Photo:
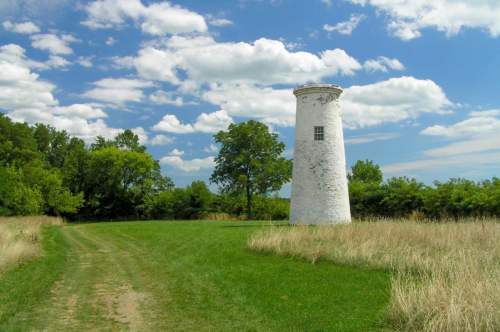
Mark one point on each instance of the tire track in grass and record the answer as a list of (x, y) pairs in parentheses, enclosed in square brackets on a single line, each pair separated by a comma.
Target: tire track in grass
[(100, 291)]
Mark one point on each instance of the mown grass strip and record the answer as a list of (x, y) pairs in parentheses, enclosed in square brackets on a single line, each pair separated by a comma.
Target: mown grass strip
[(27, 285)]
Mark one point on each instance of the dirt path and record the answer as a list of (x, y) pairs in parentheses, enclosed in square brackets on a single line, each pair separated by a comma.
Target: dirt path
[(102, 286)]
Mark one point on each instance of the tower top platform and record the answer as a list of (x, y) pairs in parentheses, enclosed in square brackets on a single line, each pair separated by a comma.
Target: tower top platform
[(317, 87)]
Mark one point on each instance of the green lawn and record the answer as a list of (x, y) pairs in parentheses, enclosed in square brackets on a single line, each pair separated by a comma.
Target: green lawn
[(183, 276)]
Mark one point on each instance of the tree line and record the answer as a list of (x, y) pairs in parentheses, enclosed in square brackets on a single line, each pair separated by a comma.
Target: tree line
[(45, 171), (403, 197)]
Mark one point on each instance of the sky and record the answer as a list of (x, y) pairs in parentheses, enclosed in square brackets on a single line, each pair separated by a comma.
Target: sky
[(420, 78)]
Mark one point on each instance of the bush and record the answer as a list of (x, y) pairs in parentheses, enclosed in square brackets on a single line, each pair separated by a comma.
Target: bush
[(275, 208), (16, 198)]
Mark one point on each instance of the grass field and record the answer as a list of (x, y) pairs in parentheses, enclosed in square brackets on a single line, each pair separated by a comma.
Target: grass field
[(446, 277), (183, 276)]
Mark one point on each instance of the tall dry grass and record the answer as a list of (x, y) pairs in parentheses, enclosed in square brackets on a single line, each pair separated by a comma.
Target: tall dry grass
[(446, 276), (20, 238)]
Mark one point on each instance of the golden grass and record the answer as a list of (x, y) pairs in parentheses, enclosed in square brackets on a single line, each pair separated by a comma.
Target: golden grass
[(446, 276), (20, 238)]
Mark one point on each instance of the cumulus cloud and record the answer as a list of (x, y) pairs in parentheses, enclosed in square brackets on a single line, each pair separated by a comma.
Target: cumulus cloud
[(27, 98), (383, 64), (85, 61), (273, 106), (155, 19), (118, 90), (389, 101), (161, 140), (346, 27), (393, 100), (84, 111), (20, 88), (205, 123), (166, 98), (54, 44), (408, 17), (170, 124), (153, 64), (479, 123), (176, 152), (15, 54), (26, 28), (188, 166), (265, 61)]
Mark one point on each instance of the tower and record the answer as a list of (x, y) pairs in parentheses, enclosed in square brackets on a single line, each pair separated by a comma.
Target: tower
[(319, 186)]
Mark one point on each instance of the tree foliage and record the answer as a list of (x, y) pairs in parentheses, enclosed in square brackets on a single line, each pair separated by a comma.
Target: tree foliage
[(250, 161), (366, 172), (404, 197)]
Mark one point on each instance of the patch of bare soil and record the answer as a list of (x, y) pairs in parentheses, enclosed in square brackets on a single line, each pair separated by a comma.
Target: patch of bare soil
[(123, 305)]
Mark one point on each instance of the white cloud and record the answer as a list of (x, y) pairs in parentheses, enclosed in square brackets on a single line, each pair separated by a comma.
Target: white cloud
[(56, 61), (328, 3), (156, 19), (27, 98), (369, 138), (188, 166), (212, 122), (110, 41), (161, 140), (408, 17), (85, 61), (19, 87), (171, 124), (383, 64), (153, 64), (478, 124), (15, 54), (346, 27), (393, 100), (273, 106), (264, 61), (205, 123), (118, 90), (23, 28), (478, 133), (54, 44), (76, 126), (390, 101), (176, 152), (166, 98), (218, 22), (477, 144), (464, 161), (475, 141), (84, 111)]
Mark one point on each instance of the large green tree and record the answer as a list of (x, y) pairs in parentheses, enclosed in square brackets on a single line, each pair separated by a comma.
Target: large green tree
[(250, 161)]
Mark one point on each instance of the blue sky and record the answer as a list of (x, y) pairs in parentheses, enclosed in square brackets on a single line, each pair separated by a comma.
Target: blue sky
[(420, 78)]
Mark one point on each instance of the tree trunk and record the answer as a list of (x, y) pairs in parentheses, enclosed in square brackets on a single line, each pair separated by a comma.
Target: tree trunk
[(249, 203)]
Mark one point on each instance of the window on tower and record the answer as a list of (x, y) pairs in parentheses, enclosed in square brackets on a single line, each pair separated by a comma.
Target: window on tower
[(319, 133)]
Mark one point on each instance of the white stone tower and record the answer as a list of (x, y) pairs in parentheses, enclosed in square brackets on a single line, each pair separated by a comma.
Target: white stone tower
[(319, 187)]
